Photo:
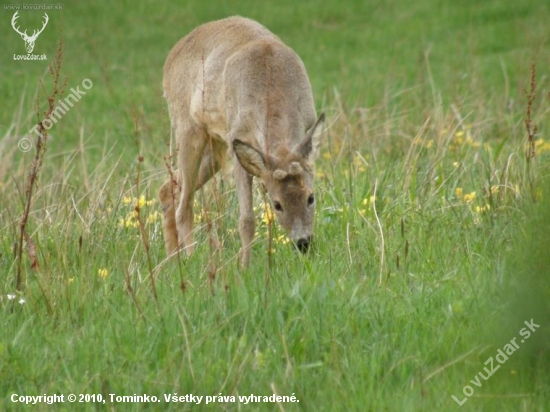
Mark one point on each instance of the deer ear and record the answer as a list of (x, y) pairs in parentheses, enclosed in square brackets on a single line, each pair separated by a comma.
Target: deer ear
[(308, 148), (250, 159)]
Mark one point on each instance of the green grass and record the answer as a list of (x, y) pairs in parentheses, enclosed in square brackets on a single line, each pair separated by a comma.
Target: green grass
[(414, 281)]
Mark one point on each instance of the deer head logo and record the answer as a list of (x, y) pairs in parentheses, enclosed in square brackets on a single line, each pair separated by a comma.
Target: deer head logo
[(29, 40)]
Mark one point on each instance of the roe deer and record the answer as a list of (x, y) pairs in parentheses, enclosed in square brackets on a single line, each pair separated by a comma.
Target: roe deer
[(233, 87)]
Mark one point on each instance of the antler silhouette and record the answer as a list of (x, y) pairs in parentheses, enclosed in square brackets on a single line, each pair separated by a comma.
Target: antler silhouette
[(29, 40), (15, 17), (46, 20)]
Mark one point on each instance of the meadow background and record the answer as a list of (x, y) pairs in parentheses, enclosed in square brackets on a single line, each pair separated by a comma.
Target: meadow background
[(431, 235)]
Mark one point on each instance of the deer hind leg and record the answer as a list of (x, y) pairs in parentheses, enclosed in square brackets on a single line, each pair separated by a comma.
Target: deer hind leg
[(246, 220), (192, 143), (169, 194)]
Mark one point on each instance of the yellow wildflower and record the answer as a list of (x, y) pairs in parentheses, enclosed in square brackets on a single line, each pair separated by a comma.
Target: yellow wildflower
[(282, 239), (369, 201), (458, 192), (142, 202), (103, 273), (153, 217), (259, 360), (129, 222), (481, 209), (267, 216), (360, 163), (469, 197), (472, 142), (542, 146), (459, 137)]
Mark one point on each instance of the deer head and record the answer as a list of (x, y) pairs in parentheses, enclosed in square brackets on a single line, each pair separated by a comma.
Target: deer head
[(288, 177), (29, 40)]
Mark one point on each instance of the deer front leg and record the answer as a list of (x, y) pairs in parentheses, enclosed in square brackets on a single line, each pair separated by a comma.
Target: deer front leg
[(246, 220)]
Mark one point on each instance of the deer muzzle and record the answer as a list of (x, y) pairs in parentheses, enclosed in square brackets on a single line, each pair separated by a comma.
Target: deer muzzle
[(303, 244)]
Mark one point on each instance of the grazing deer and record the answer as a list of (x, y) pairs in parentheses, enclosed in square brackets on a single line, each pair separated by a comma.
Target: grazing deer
[(235, 88), (29, 40)]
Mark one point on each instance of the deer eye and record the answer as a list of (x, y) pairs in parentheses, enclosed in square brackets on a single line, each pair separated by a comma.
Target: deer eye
[(277, 206), (310, 199)]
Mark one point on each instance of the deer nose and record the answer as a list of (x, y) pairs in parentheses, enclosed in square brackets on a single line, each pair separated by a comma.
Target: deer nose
[(303, 244)]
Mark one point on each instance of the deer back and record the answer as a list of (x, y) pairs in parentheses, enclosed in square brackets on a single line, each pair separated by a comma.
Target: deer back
[(239, 80)]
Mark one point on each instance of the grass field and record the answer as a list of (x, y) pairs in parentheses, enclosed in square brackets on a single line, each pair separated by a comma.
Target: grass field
[(431, 238)]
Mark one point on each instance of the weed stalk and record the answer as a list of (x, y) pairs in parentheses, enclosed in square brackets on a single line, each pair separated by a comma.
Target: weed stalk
[(173, 186), (143, 231), (36, 164), (531, 126)]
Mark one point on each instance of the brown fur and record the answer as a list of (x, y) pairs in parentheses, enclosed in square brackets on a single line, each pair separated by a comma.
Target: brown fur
[(233, 87)]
